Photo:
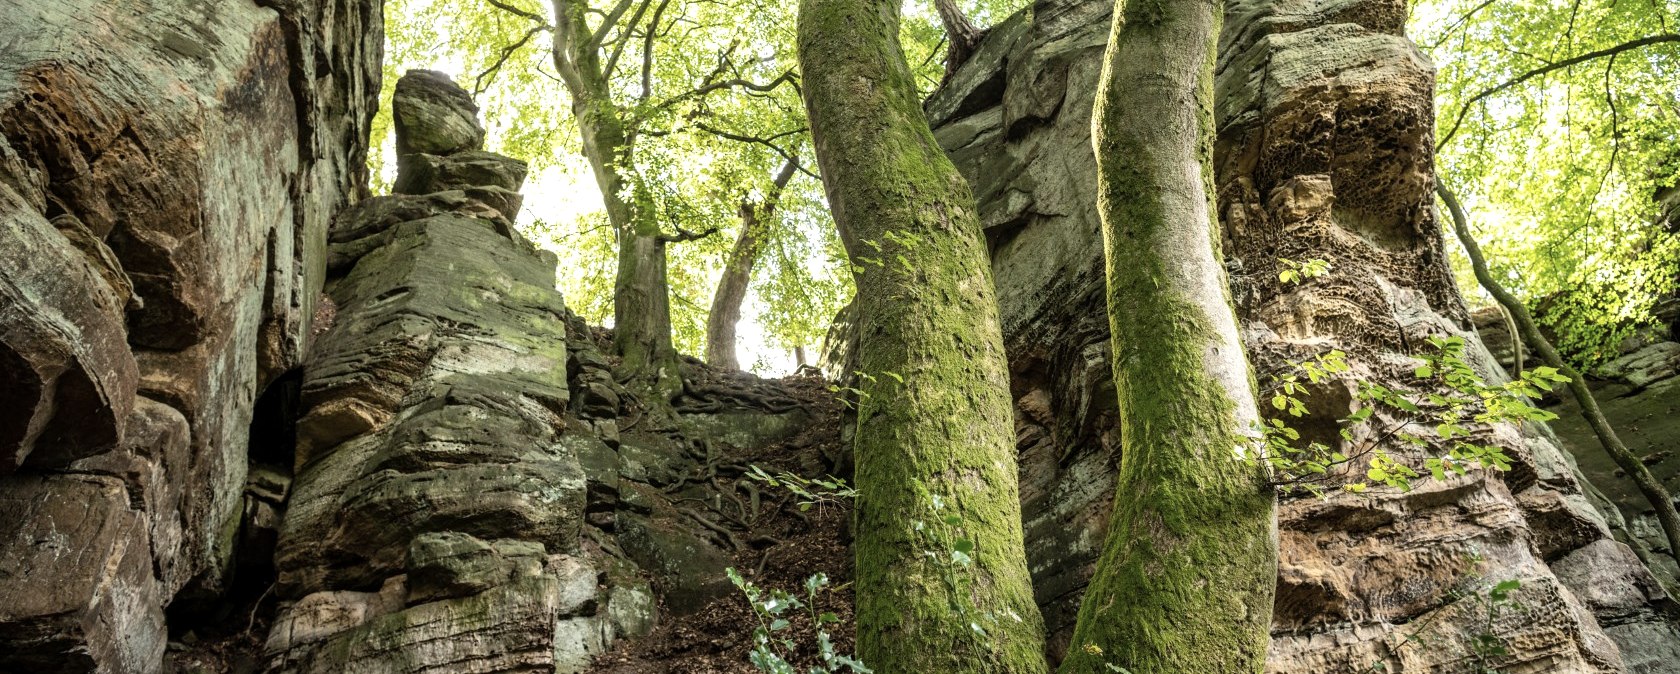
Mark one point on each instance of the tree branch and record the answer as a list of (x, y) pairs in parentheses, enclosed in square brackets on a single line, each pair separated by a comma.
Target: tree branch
[(647, 51), (1464, 111), (683, 235), (788, 76), (607, 22), (498, 4), (478, 82), (1653, 490), (618, 49), (767, 142), (1447, 32)]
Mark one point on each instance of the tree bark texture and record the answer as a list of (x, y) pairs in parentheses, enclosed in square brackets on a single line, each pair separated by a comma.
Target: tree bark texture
[(756, 219), (934, 437), (1185, 580), (641, 298)]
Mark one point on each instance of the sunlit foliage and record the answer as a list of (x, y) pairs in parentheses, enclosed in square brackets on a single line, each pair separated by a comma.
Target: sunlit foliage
[(1560, 169)]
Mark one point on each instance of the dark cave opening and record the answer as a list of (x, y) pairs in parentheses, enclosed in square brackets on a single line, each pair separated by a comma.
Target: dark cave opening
[(241, 606)]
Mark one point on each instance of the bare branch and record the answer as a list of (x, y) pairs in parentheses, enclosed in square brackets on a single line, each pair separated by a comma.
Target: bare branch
[(788, 77), (1447, 32), (769, 142), (684, 235)]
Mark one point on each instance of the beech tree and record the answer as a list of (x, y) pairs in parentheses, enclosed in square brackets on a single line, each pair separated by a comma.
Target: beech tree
[(1558, 122), (941, 574), (756, 220), (1187, 574)]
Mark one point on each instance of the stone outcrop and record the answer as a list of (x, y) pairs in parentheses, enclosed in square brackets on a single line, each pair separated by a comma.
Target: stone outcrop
[(167, 173), (1639, 392), (1324, 152), (474, 491)]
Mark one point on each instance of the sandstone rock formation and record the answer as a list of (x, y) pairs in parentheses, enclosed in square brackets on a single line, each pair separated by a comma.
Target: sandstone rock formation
[(166, 178), (372, 426), (1325, 131), (466, 497), (1638, 394)]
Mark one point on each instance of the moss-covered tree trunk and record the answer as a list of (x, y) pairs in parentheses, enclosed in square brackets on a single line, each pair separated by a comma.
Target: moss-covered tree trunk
[(935, 434), (731, 292), (1186, 578), (641, 298)]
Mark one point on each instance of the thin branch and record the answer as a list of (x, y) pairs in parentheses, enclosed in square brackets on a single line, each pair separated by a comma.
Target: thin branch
[(1648, 485), (498, 4), (767, 142), (1447, 32), (683, 235), (478, 82), (1464, 110), (647, 51), (788, 76), (618, 49), (1615, 131), (607, 23)]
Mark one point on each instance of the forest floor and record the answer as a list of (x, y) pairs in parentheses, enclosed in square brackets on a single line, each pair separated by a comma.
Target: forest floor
[(718, 638)]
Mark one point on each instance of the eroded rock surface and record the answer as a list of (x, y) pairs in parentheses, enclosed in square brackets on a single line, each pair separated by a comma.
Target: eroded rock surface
[(167, 172), (1324, 152), (475, 492)]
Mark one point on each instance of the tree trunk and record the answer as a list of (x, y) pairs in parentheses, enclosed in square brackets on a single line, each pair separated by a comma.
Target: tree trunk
[(737, 272), (641, 299), (1642, 478), (961, 35), (935, 434), (1185, 581)]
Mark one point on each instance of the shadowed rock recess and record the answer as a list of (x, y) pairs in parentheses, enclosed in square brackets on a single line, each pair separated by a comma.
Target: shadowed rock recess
[(167, 175), (1324, 152), (254, 420)]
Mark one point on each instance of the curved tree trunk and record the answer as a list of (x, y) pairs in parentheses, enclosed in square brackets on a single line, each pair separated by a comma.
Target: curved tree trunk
[(935, 435), (737, 272), (641, 299), (1653, 489), (1186, 578)]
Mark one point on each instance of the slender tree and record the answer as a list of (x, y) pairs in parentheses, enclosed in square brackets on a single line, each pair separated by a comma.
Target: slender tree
[(607, 58), (942, 581), (1186, 577), (756, 219), (1529, 331)]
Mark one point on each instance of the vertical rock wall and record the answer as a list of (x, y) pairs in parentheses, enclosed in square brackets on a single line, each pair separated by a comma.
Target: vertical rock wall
[(167, 173), (1325, 152), (1325, 132)]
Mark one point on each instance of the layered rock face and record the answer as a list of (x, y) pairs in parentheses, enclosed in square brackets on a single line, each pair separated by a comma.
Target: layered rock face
[(436, 510), (474, 491), (1324, 152), (1639, 392), (167, 173)]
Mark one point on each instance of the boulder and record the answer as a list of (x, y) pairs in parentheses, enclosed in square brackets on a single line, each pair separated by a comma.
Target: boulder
[(434, 116)]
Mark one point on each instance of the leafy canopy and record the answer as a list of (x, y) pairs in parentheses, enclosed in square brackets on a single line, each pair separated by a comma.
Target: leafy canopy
[(1557, 123)]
